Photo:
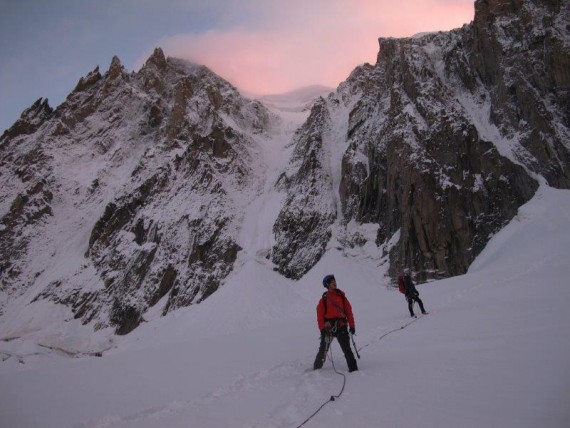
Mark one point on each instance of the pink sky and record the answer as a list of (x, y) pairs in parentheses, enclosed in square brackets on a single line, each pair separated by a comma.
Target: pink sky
[(287, 45)]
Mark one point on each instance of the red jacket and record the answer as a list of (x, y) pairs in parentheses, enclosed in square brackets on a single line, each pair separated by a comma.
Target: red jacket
[(337, 307)]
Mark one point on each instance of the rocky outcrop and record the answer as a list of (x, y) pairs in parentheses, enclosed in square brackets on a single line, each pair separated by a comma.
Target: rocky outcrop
[(303, 227), (520, 51), (29, 209), (427, 171), (30, 120), (445, 134), (469, 114), (150, 162)]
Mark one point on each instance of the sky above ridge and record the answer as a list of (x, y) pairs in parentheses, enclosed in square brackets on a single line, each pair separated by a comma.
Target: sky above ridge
[(260, 46)]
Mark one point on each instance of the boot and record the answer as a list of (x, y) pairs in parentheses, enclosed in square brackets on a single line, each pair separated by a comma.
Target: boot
[(319, 361)]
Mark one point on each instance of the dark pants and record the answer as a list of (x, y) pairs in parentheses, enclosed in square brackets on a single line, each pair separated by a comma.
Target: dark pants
[(343, 340), (415, 298)]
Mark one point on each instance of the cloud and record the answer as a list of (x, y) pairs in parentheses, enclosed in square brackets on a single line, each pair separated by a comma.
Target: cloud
[(281, 48)]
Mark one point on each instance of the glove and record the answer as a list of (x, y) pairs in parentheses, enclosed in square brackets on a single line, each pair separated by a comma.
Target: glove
[(352, 330)]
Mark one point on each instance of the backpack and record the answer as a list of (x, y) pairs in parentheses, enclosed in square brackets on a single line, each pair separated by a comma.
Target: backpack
[(401, 285), (343, 302)]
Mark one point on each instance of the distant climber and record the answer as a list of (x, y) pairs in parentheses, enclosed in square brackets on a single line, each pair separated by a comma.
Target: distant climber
[(408, 288)]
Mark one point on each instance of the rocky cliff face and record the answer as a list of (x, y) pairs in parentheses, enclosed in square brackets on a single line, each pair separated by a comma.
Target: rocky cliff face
[(520, 53), (446, 135), (132, 193), (140, 179), (303, 227)]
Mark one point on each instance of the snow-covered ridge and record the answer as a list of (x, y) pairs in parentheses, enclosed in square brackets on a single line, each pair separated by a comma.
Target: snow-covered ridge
[(297, 100)]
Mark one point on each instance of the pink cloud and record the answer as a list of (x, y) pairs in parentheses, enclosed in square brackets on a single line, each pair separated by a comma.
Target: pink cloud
[(312, 42)]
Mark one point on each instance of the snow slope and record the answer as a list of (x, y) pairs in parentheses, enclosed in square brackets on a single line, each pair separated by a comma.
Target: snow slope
[(494, 350)]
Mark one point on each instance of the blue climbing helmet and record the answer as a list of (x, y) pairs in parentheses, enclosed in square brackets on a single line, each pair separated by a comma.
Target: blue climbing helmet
[(326, 280)]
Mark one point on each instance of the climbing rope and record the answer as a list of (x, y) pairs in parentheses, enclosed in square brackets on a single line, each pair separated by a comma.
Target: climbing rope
[(333, 397), (329, 353), (390, 332)]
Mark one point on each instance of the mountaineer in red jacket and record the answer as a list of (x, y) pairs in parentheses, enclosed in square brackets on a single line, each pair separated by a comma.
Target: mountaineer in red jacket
[(334, 316)]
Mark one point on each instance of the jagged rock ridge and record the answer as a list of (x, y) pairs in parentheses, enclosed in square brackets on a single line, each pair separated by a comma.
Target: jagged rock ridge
[(165, 160)]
